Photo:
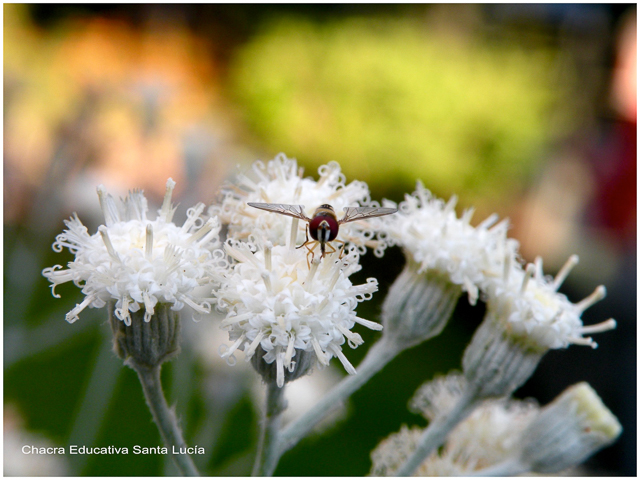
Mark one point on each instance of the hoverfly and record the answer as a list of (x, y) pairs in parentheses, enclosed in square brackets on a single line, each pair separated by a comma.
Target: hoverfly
[(323, 225)]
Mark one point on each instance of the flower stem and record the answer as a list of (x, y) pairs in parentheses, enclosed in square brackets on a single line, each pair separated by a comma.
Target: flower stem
[(164, 417), (378, 356), (437, 432), (267, 458)]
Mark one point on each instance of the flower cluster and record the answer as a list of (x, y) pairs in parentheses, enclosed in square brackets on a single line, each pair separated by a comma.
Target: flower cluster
[(502, 436), (280, 302), (137, 262), (289, 310), (432, 235), (486, 437), (274, 301), (484, 261), (533, 311), (280, 181)]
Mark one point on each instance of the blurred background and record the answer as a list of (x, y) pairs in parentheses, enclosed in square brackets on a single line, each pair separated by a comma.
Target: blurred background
[(524, 110)]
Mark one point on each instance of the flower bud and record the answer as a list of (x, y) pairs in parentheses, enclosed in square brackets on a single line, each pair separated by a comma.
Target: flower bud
[(495, 364), (418, 305), (300, 366), (568, 430), (146, 343)]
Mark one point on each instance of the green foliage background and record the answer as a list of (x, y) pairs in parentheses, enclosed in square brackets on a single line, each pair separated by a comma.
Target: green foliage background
[(397, 99)]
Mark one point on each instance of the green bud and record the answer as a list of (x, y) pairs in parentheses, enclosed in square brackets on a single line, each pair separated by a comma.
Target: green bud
[(146, 344)]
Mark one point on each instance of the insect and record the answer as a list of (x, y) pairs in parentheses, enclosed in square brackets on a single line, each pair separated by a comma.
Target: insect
[(323, 225)]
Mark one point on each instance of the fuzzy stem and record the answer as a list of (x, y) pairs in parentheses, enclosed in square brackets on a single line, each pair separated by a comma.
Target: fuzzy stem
[(164, 417), (430, 305), (267, 458), (378, 356), (437, 432)]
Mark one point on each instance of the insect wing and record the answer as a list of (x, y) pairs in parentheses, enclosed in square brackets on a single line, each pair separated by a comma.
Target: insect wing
[(296, 211), (358, 213)]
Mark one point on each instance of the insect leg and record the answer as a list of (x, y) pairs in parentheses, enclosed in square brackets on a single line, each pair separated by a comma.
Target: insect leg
[(341, 248), (333, 249), (306, 234), (310, 251)]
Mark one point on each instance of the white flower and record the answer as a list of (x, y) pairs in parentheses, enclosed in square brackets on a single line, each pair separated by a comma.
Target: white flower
[(530, 308), (394, 450), (486, 437), (429, 231), (483, 260), (137, 262), (561, 435), (280, 181), (438, 396), (276, 302)]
